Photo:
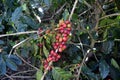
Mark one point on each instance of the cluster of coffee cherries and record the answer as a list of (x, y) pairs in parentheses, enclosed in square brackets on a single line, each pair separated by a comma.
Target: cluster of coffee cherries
[(63, 31)]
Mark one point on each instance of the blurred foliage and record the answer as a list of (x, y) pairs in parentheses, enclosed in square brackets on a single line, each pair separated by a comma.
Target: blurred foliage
[(90, 30)]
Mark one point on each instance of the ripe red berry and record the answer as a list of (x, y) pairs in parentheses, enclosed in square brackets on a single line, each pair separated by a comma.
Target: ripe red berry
[(65, 35), (61, 31), (57, 37), (49, 59), (40, 45), (67, 22), (60, 50), (52, 52), (58, 56), (65, 39), (64, 47), (69, 29), (69, 25), (61, 45), (64, 25), (60, 39)]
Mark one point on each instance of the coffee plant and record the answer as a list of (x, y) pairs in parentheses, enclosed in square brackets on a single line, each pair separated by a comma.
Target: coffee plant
[(59, 40)]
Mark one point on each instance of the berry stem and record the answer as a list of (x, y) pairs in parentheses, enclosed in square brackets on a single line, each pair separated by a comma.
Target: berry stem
[(46, 70)]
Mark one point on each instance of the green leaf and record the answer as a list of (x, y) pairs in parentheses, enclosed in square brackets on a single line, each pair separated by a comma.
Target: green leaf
[(104, 69), (60, 74), (46, 52), (2, 28), (35, 50), (21, 27), (89, 73), (2, 66), (39, 74), (15, 59), (115, 64), (81, 1), (16, 14), (107, 46), (10, 64), (1, 42), (65, 14), (24, 7), (48, 2), (29, 21)]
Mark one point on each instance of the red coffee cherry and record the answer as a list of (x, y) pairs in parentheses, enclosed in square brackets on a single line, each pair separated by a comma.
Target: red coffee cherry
[(62, 36)]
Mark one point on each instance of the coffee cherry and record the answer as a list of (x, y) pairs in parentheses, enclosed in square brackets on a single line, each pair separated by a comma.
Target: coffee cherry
[(65, 39), (40, 45), (64, 25), (67, 22), (69, 25), (64, 47), (60, 50), (60, 39), (62, 35), (39, 31), (58, 56), (65, 35)]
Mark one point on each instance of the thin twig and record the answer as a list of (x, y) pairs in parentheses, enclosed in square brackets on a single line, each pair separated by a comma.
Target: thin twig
[(27, 62), (84, 12), (37, 17), (46, 70), (57, 12), (115, 14), (19, 33), (9, 77), (21, 72), (82, 63), (73, 9), (87, 4), (21, 77), (16, 45)]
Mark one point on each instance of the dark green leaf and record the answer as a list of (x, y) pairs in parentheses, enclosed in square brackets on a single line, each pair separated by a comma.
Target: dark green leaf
[(88, 72), (1, 42), (46, 52), (35, 49), (48, 2), (16, 14), (10, 64), (107, 46), (65, 14), (2, 66), (21, 27), (15, 59), (104, 69), (1, 28), (39, 74), (29, 21), (115, 64), (60, 74)]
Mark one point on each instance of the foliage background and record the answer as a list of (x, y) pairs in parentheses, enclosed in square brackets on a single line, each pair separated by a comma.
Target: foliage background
[(92, 52)]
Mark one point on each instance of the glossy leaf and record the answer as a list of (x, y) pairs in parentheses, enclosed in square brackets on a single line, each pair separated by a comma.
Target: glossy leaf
[(65, 14), (115, 64), (107, 46), (2, 66), (104, 69), (16, 14), (46, 52), (10, 64), (39, 74), (89, 73), (15, 59), (60, 74), (1, 42)]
